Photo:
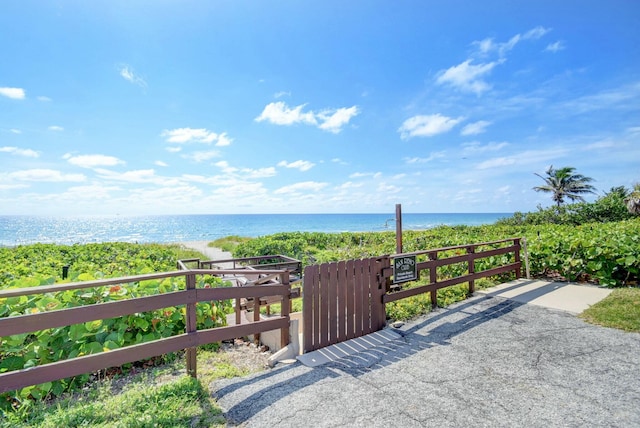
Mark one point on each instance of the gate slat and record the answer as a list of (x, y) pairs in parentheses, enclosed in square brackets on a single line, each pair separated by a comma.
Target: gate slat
[(308, 302), (323, 337), (350, 291), (333, 303), (342, 300), (316, 306), (369, 297), (357, 299)]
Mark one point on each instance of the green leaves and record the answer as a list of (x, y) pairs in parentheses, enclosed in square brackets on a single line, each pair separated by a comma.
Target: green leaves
[(39, 264)]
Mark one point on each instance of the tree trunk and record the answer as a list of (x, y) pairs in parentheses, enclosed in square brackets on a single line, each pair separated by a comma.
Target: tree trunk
[(633, 205)]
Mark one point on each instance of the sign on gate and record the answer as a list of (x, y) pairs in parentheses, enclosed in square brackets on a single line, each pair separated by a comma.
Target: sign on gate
[(404, 269)]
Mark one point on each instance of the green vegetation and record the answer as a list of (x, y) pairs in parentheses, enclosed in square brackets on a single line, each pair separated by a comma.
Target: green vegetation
[(161, 396), (621, 310), (602, 253), (41, 264), (228, 243), (596, 242), (607, 208)]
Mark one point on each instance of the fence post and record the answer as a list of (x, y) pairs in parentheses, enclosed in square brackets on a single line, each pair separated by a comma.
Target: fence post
[(516, 242), (285, 307), (526, 258), (433, 278), (472, 267), (191, 325)]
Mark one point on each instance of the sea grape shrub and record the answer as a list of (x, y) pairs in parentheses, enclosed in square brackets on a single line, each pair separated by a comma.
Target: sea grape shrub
[(603, 253), (608, 208), (28, 350), (100, 260)]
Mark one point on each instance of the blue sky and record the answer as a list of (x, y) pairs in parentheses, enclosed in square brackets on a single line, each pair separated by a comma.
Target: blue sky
[(171, 107)]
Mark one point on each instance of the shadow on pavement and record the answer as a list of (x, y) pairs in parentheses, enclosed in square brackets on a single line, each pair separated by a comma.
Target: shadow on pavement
[(243, 398)]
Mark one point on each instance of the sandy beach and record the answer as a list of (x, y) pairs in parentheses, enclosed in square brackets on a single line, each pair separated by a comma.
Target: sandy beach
[(212, 253)]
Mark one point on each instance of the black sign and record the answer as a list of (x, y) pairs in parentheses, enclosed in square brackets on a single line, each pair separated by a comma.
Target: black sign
[(404, 269)]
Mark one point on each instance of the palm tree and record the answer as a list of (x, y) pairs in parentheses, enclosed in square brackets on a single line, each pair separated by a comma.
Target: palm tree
[(563, 183)]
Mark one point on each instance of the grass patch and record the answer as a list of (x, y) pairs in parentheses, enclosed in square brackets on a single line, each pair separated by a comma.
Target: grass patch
[(184, 253), (621, 310), (158, 397), (229, 243)]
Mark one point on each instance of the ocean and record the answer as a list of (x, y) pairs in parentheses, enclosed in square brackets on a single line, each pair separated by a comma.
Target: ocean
[(22, 230)]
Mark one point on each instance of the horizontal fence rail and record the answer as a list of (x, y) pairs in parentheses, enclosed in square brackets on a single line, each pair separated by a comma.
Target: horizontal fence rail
[(472, 254), (278, 285)]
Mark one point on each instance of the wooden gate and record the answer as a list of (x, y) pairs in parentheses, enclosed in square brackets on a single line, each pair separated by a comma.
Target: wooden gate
[(343, 300)]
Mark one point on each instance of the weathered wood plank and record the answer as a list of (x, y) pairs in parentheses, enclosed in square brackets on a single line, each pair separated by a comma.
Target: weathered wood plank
[(91, 363), (323, 338), (308, 300), (333, 303), (350, 292)]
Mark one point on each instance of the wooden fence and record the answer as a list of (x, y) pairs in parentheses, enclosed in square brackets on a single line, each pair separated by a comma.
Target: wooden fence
[(471, 253), (189, 340), (342, 300), (346, 299)]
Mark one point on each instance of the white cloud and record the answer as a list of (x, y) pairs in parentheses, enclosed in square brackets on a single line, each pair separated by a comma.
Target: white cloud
[(223, 140), (129, 75), (43, 99), (13, 93), (339, 161), (257, 173), (526, 158), (365, 174), (92, 192), (245, 173), (536, 33), (334, 120), (279, 114), (12, 186), (427, 125), (173, 149), (92, 161), (467, 77), (15, 131), (475, 147), (305, 187), (604, 144), (161, 163), (555, 47), (497, 162), (485, 46), (432, 156), (388, 188), (331, 120), (349, 185), (138, 176), (475, 128), (621, 98), (20, 152), (488, 45), (299, 164), (56, 128), (188, 135), (49, 175), (281, 94), (202, 156)]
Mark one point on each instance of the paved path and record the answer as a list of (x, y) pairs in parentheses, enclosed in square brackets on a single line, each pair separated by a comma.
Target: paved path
[(566, 296), (487, 361)]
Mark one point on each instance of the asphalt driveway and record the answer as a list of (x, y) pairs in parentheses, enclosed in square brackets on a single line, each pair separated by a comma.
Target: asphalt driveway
[(487, 361)]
